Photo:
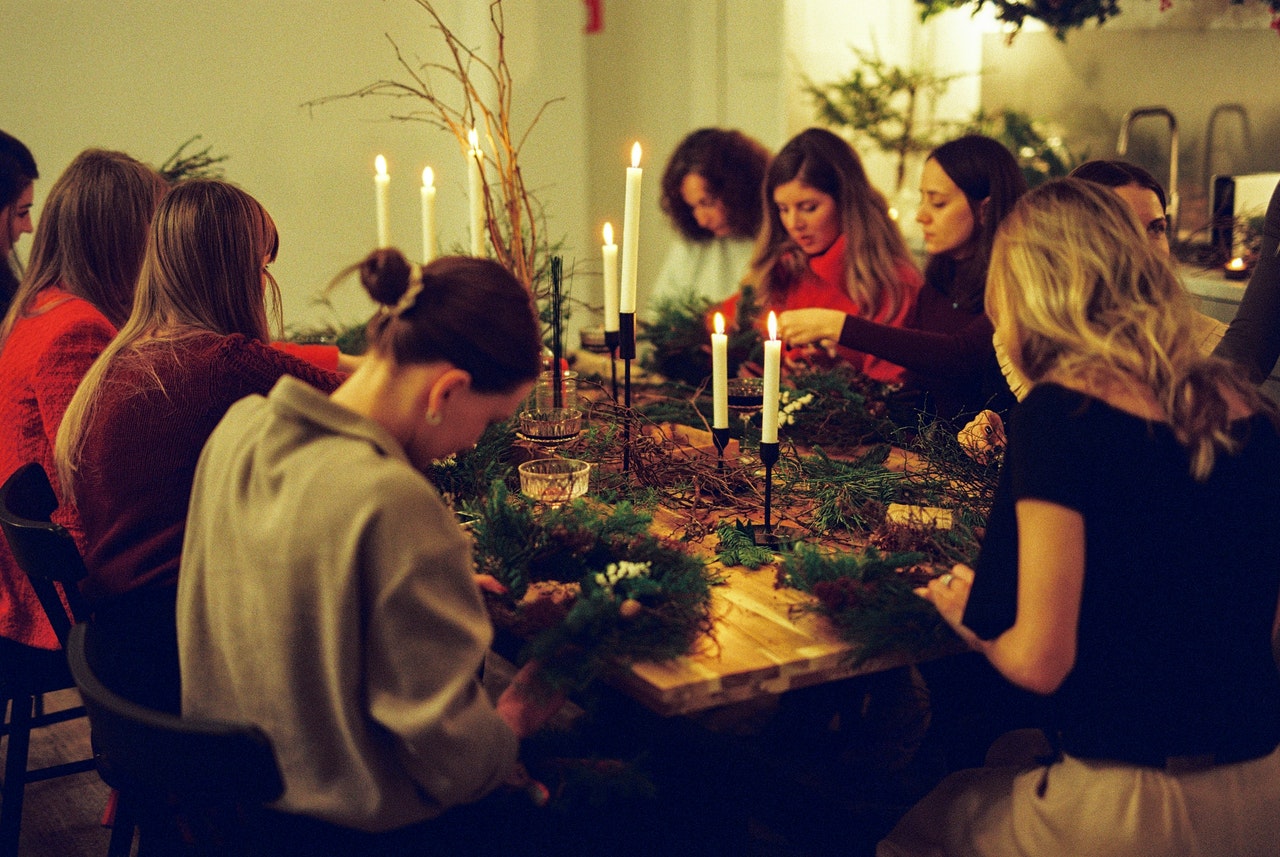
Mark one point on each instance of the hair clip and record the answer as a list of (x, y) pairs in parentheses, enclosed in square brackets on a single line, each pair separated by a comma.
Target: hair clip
[(410, 296)]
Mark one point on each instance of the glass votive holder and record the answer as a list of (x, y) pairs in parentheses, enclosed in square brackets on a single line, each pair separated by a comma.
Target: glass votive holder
[(544, 395), (554, 481), (551, 426), (746, 394)]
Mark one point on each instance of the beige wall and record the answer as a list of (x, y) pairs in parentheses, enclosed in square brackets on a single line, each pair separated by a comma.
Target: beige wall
[(143, 76)]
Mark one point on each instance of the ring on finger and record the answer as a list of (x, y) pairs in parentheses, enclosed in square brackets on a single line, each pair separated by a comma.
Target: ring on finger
[(946, 579)]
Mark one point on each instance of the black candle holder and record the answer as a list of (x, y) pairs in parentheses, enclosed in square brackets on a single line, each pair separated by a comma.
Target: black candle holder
[(626, 350), (770, 536), (611, 338), (720, 437)]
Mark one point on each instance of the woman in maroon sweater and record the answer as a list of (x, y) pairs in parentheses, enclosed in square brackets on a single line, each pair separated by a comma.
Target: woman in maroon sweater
[(195, 343), (966, 188)]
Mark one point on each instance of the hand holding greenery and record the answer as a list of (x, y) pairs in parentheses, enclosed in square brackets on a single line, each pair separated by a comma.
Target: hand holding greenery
[(589, 587)]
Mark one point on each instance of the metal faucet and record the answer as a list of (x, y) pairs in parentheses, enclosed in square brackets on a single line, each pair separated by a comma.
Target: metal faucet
[(1122, 146), (1246, 138)]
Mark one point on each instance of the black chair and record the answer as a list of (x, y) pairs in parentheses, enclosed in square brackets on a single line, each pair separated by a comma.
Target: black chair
[(193, 786), (49, 555)]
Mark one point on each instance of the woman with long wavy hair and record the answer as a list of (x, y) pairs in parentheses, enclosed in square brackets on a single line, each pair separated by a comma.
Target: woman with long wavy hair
[(828, 241), (1128, 573)]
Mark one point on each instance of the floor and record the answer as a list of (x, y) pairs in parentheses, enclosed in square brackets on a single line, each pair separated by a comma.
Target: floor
[(783, 791), (62, 816)]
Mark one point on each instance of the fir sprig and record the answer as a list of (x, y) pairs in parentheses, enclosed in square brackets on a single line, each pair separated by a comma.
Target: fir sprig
[(851, 495), (611, 617), (738, 546), (180, 167), (870, 598), (468, 476), (848, 409)]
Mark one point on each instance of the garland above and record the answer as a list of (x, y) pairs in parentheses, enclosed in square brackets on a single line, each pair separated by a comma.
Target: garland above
[(1059, 15)]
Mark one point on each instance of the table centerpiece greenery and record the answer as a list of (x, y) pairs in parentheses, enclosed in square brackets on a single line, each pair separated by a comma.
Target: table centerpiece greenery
[(589, 587)]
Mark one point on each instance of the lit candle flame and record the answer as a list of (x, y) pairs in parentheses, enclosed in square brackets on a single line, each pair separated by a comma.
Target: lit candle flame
[(608, 233), (474, 139), (428, 177), (635, 154), (719, 323), (380, 164), (1236, 264), (773, 325)]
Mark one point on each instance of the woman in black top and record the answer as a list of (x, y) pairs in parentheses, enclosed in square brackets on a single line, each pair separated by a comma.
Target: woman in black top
[(1129, 569)]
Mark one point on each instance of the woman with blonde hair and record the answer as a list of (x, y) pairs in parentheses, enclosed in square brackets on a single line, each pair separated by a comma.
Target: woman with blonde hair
[(1137, 469), (828, 241), (77, 288), (195, 342)]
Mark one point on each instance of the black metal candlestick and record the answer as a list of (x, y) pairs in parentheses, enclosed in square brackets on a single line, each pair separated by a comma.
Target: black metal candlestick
[(772, 536), (627, 351), (611, 342), (768, 455), (720, 436), (557, 347)]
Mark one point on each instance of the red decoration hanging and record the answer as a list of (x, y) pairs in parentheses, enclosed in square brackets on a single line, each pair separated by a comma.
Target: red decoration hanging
[(595, 15)]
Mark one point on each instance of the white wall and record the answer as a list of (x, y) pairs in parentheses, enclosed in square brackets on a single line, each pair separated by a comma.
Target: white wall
[(143, 76), (661, 69)]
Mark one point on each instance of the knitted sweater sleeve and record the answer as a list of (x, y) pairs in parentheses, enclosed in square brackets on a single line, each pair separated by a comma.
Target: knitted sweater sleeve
[(62, 362), (258, 366), (323, 356), (1253, 338), (946, 354)]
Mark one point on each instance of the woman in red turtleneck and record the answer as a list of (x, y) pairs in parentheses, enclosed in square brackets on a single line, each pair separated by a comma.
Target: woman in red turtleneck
[(828, 242)]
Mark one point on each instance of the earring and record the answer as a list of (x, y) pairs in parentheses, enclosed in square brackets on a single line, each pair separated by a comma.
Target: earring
[(433, 418)]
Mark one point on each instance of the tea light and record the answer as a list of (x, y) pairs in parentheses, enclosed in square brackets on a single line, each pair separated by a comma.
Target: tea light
[(1236, 269)]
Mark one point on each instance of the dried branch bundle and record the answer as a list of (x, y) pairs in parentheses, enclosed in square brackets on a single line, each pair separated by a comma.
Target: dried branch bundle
[(511, 211)]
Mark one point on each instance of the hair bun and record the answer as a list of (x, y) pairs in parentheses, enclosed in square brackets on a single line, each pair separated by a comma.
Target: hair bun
[(385, 275)]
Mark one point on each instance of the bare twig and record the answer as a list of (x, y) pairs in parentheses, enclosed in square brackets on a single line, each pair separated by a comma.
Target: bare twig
[(511, 211)]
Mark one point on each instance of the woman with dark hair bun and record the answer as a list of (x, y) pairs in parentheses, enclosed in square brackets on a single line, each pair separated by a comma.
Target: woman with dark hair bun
[(313, 529), (711, 192), (17, 174), (967, 186)]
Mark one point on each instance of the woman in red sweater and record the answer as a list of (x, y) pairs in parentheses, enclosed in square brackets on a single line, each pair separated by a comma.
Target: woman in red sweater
[(78, 287), (967, 186), (828, 242), (196, 342)]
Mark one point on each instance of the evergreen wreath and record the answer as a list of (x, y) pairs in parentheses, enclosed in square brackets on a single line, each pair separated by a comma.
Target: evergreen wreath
[(870, 598), (589, 588)]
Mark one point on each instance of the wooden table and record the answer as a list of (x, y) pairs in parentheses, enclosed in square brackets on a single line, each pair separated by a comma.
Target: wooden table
[(764, 643)]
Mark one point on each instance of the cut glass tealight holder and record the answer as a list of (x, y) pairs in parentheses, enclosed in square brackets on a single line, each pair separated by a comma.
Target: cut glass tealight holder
[(554, 481), (550, 428)]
